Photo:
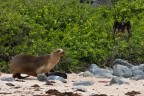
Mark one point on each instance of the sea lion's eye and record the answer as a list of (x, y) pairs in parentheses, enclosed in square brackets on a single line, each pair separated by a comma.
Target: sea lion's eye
[(58, 51)]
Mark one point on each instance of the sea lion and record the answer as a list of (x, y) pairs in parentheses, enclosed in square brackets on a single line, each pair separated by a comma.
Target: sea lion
[(34, 65)]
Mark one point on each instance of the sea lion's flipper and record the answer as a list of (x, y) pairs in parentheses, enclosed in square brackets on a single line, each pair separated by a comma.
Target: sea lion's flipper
[(18, 75), (64, 75)]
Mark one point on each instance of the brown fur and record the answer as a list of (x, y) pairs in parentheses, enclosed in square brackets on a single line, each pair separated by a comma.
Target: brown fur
[(34, 65)]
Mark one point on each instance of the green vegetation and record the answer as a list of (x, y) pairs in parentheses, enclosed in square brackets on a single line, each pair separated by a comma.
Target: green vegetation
[(37, 27)]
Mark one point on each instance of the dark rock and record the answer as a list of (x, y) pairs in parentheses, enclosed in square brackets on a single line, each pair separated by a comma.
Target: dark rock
[(10, 84), (92, 68), (57, 78), (122, 71), (138, 77), (141, 67), (122, 62), (97, 3), (83, 83), (134, 68), (42, 77), (101, 1), (104, 73), (117, 80), (137, 72), (64, 75), (86, 74), (7, 79), (79, 89)]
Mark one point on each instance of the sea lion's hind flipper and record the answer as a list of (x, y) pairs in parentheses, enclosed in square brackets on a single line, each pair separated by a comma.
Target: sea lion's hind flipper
[(18, 75)]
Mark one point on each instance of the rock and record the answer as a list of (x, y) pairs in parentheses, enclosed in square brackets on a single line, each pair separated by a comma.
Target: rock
[(64, 75), (86, 74), (137, 72), (122, 71), (106, 76), (117, 80), (98, 3), (101, 1), (104, 73), (83, 83), (77, 88), (141, 67), (42, 77), (122, 62), (138, 77), (134, 68), (92, 68), (95, 5), (10, 84), (57, 78), (7, 79), (110, 70)]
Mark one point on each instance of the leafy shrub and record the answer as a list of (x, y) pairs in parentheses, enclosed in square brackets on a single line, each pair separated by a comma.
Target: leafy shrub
[(37, 27)]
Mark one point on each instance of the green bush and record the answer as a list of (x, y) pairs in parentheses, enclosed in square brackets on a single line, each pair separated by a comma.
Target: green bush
[(37, 27)]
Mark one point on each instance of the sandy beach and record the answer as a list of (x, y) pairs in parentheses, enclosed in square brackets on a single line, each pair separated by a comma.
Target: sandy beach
[(32, 87)]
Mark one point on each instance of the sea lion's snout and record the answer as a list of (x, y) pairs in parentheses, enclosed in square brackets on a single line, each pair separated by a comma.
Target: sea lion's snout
[(60, 52)]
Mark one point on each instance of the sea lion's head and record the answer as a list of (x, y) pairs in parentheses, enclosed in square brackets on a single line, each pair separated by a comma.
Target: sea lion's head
[(59, 52)]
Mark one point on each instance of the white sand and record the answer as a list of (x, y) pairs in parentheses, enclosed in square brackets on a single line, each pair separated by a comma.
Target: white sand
[(99, 87)]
